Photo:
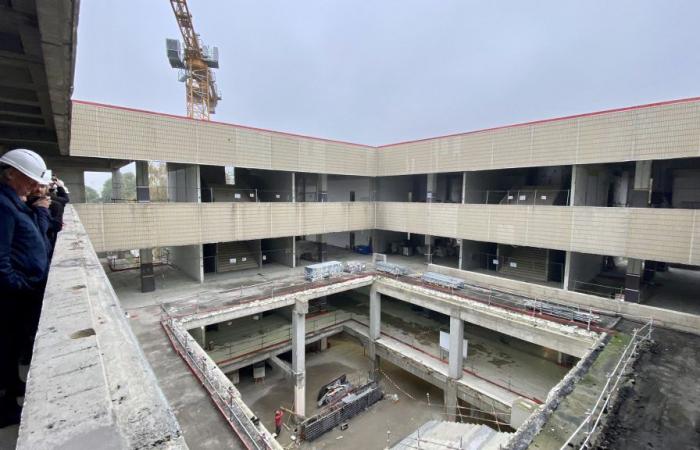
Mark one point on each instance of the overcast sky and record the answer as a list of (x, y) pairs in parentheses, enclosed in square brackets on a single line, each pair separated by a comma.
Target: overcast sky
[(393, 70)]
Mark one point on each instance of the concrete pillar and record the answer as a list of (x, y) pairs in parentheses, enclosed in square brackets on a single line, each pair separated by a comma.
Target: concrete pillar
[(428, 243), (375, 329), (633, 280), (460, 264), (323, 187), (456, 347), (642, 184), (143, 193), (567, 271), (294, 251), (148, 281), (117, 186), (323, 344), (199, 334), (299, 356), (294, 187), (572, 188), (450, 399), (431, 187), (321, 246), (456, 364)]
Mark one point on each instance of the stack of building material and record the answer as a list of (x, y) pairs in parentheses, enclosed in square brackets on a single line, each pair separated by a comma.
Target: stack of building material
[(355, 266), (343, 409), (443, 280), (562, 311), (394, 269), (323, 270)]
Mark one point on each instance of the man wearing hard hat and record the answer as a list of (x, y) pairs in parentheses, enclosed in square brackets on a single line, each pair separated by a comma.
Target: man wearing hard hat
[(23, 264)]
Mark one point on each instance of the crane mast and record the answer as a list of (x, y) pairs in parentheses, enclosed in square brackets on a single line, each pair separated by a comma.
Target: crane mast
[(195, 62)]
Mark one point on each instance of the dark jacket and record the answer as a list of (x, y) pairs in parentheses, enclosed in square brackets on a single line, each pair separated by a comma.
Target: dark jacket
[(24, 258)]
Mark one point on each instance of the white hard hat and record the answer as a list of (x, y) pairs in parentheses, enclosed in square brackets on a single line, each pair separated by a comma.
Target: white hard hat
[(27, 162)]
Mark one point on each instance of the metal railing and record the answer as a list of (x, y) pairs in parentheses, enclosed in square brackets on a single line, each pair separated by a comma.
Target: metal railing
[(558, 197), (222, 193), (600, 290), (225, 395), (593, 416), (270, 338)]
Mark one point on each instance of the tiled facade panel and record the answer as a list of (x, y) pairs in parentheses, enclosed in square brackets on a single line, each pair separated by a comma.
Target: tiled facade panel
[(116, 133), (126, 226), (655, 132), (654, 234)]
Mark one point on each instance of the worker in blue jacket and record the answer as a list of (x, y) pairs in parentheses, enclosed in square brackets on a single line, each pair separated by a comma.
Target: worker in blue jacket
[(23, 264)]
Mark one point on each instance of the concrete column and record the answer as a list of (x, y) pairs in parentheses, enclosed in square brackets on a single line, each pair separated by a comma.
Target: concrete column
[(299, 356), (294, 187), (567, 271), (148, 281), (450, 392), (428, 243), (375, 324), (633, 280), (294, 251), (456, 364), (117, 186), (323, 344), (460, 264), (456, 347), (572, 188), (323, 187), (321, 246), (431, 187), (642, 184), (199, 334), (143, 193)]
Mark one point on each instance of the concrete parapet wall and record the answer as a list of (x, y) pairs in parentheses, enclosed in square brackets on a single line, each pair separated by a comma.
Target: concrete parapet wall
[(89, 384), (105, 131), (669, 235), (125, 226), (663, 317)]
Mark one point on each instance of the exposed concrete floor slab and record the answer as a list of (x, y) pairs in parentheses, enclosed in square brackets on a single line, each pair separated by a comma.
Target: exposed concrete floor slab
[(660, 405), (676, 289), (202, 425), (172, 284), (367, 430)]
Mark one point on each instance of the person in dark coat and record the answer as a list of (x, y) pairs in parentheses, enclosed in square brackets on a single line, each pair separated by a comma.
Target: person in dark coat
[(24, 264), (59, 199)]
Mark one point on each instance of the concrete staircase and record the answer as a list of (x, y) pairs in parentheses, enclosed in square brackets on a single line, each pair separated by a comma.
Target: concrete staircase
[(525, 262), (439, 435), (238, 255)]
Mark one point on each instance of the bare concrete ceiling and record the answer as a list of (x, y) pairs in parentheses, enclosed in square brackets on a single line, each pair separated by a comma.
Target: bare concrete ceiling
[(37, 62)]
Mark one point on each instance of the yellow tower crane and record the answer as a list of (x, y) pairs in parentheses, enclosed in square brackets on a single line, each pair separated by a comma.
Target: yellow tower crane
[(195, 62)]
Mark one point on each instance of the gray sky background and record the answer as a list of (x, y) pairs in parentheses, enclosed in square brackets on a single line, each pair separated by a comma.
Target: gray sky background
[(394, 70)]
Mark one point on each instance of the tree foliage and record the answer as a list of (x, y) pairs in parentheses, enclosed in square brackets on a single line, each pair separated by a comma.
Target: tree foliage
[(91, 195), (128, 188)]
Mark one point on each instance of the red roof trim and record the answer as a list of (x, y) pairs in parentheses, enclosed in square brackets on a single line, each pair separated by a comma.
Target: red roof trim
[(175, 116), (555, 119), (534, 122)]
